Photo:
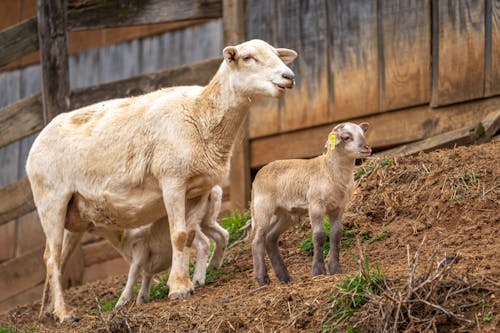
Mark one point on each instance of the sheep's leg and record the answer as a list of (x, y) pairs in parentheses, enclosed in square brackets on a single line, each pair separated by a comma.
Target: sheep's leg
[(174, 197), (220, 236), (144, 293), (52, 220), (258, 247), (202, 245), (335, 237), (273, 250), (319, 236), (133, 275)]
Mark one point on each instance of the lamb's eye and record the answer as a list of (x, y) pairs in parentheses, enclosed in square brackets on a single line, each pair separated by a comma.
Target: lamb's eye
[(247, 58)]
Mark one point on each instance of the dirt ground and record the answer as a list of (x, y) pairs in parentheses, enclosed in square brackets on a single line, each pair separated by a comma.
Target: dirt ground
[(450, 196)]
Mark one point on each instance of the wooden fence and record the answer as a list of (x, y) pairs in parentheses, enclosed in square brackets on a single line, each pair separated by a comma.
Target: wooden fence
[(412, 68)]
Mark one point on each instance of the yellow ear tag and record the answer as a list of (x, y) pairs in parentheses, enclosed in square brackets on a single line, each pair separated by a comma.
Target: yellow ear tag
[(120, 236), (333, 141)]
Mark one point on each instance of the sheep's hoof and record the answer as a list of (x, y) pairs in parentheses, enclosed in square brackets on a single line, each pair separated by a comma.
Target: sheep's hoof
[(335, 270), (180, 294), (71, 319), (319, 271)]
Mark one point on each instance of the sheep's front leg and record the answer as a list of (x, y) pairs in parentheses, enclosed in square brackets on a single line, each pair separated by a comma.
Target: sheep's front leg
[(335, 237), (174, 197), (133, 275), (316, 213), (144, 293)]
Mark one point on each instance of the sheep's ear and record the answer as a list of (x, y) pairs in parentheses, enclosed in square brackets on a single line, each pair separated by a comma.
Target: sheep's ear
[(364, 126), (287, 55), (230, 53)]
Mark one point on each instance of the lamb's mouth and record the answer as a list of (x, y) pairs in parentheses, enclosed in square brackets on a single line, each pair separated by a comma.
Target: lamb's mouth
[(365, 152)]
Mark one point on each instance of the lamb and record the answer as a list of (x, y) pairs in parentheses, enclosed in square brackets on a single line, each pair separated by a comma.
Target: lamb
[(148, 249), (124, 163), (284, 190)]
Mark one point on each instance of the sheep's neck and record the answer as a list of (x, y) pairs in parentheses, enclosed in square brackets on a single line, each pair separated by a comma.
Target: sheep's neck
[(339, 166), (224, 112)]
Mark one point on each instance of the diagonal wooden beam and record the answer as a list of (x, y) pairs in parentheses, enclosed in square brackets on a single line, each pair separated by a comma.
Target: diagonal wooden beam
[(16, 200)]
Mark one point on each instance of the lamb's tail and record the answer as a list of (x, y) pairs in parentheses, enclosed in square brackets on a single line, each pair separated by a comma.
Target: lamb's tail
[(248, 225)]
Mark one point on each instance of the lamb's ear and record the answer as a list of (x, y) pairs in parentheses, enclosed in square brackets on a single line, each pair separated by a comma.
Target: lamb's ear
[(230, 53), (287, 55), (364, 126)]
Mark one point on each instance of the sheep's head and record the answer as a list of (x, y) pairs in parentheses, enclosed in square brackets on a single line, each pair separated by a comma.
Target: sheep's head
[(349, 139), (258, 69)]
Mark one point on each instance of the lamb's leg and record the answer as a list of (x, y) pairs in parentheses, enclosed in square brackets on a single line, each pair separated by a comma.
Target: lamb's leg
[(52, 219), (202, 245), (335, 237), (174, 196), (258, 246), (144, 293), (319, 236), (220, 237), (70, 242), (133, 275), (273, 250)]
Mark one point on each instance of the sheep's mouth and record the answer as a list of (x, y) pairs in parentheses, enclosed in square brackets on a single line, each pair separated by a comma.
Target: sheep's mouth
[(365, 152), (282, 86)]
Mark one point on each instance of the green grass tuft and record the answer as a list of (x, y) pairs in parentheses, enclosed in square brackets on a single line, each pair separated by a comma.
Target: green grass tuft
[(352, 296), (233, 223)]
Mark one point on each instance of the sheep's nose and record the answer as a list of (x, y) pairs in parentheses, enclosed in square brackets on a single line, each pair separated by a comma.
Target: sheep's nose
[(368, 148), (288, 75)]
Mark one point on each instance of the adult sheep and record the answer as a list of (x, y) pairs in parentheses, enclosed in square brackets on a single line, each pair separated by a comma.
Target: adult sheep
[(127, 162)]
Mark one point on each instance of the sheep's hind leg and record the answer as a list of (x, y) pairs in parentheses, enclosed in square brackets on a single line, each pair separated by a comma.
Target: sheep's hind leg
[(273, 251), (202, 245), (53, 219), (220, 236)]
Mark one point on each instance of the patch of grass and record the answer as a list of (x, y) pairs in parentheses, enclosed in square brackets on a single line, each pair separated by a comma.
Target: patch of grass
[(233, 224), (352, 295), (367, 168), (109, 305), (4, 329), (160, 290)]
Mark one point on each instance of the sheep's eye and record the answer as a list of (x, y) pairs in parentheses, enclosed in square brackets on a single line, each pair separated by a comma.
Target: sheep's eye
[(247, 58)]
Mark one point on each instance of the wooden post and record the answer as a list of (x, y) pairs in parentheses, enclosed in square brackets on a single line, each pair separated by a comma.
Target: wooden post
[(233, 12), (53, 57), (52, 19)]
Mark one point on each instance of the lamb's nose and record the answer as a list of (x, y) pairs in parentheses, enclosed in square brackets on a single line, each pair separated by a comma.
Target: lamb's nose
[(288, 75)]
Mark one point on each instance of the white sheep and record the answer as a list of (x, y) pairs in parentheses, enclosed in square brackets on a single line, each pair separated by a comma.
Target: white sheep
[(148, 249), (124, 163), (284, 190)]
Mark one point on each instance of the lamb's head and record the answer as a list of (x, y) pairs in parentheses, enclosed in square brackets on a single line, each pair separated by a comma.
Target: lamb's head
[(349, 139), (255, 68)]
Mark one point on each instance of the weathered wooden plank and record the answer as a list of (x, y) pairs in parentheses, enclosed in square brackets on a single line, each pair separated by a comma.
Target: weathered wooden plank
[(24, 117), (16, 200), (95, 14), (386, 130), (21, 119), (459, 51), (406, 48), (18, 40), (98, 252), (481, 132), (302, 26), (492, 84), (261, 23), (198, 73), (25, 297), (234, 33), (53, 57), (353, 47), (21, 273)]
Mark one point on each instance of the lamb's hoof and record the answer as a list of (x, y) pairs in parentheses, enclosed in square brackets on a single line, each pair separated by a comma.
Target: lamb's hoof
[(335, 270), (319, 271), (264, 281), (198, 283), (286, 279), (71, 319)]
